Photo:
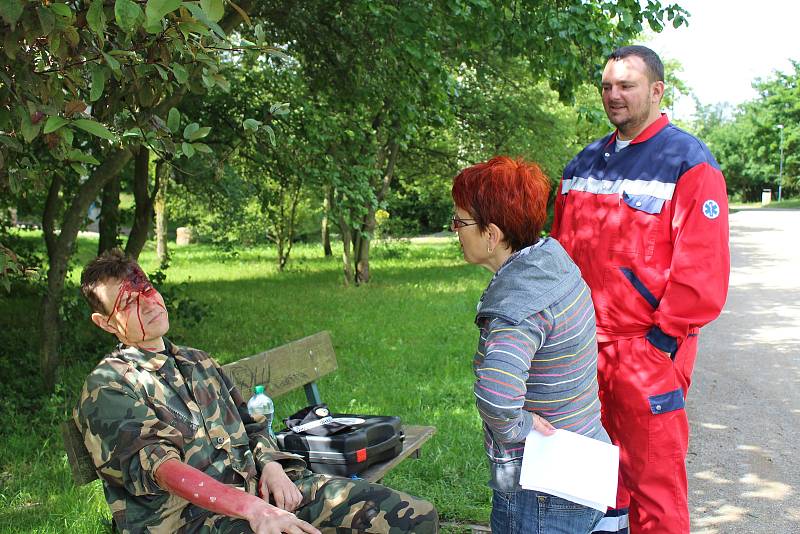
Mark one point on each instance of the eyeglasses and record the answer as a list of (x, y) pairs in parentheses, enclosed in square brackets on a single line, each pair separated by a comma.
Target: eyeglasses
[(456, 223)]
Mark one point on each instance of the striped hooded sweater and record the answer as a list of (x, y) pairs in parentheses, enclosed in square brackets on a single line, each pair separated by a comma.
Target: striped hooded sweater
[(537, 353)]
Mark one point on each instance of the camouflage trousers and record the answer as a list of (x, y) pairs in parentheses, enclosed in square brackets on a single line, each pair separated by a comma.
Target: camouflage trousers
[(339, 505)]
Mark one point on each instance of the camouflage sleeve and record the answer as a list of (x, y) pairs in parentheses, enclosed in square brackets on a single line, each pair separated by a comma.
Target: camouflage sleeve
[(265, 448), (124, 437)]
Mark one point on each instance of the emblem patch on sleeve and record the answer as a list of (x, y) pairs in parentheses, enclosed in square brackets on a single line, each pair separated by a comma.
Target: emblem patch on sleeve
[(711, 209)]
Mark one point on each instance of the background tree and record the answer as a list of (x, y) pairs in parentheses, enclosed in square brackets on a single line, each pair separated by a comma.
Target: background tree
[(83, 87), (389, 69), (276, 180), (747, 142)]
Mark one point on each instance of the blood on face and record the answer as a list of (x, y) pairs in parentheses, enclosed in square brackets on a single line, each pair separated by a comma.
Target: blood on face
[(133, 289)]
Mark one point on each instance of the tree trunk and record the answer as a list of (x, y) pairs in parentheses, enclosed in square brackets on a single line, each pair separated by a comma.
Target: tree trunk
[(347, 243), (109, 216), (362, 260), (143, 214), (163, 172), (51, 320), (326, 230), (290, 225), (60, 246), (51, 302), (368, 225)]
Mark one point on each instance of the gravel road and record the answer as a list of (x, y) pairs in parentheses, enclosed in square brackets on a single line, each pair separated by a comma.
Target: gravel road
[(744, 403)]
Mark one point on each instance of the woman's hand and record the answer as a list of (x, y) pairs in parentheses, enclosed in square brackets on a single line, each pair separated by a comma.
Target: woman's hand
[(542, 425), (275, 482)]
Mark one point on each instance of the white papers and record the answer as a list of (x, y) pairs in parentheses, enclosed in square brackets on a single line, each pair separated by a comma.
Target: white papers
[(571, 466)]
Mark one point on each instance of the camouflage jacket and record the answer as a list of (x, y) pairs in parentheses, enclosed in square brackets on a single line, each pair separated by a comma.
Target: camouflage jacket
[(139, 409)]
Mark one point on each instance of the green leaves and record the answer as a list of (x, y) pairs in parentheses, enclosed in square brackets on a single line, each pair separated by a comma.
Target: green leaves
[(10, 11), (181, 76), (77, 155), (98, 82), (54, 123), (29, 130), (251, 125), (47, 19), (187, 149), (62, 10), (190, 129), (128, 15), (10, 142), (260, 35), (96, 18), (113, 64), (200, 133), (271, 134), (214, 9), (158, 9), (174, 120), (94, 128), (193, 132), (201, 15), (279, 109)]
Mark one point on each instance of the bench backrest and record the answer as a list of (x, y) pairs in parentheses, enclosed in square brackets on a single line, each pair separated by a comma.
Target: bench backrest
[(280, 370), (285, 368)]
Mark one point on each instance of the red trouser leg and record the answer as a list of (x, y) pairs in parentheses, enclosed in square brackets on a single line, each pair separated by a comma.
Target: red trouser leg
[(642, 392)]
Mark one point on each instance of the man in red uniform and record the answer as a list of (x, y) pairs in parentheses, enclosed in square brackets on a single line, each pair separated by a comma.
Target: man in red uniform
[(644, 214)]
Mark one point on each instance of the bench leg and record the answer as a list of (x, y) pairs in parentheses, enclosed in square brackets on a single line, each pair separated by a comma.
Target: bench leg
[(312, 393)]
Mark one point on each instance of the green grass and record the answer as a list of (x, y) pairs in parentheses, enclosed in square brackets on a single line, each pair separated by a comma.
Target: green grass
[(404, 344), (793, 203)]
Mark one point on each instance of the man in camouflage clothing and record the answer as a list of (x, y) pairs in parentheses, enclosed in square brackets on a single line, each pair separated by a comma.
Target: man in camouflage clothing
[(176, 449)]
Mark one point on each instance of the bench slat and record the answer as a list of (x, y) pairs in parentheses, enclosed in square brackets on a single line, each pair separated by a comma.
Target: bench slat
[(78, 457), (285, 368), (415, 436)]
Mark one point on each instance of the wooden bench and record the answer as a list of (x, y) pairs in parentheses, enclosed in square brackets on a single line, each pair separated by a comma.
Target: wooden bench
[(281, 370)]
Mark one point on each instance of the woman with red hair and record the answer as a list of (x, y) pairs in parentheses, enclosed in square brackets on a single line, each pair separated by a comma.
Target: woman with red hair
[(536, 362)]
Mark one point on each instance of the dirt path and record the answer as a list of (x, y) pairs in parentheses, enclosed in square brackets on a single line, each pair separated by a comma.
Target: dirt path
[(744, 405)]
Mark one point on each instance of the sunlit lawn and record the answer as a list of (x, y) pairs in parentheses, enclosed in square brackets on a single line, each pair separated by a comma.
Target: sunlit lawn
[(793, 203), (404, 344)]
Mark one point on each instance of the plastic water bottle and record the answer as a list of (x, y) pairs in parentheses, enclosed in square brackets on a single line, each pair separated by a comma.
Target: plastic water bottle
[(261, 404)]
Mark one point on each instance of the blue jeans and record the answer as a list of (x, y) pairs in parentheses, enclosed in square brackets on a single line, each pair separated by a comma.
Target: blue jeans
[(533, 512)]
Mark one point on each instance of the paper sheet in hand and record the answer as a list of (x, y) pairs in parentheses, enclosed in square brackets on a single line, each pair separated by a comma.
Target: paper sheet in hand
[(571, 466)]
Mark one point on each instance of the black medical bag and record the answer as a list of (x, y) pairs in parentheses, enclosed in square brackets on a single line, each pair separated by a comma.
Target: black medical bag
[(341, 444)]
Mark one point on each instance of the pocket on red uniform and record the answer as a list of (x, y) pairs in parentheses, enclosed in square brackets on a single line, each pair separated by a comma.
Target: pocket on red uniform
[(668, 427), (667, 402), (664, 427)]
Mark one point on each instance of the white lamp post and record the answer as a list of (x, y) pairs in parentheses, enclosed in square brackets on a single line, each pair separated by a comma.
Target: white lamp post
[(780, 171)]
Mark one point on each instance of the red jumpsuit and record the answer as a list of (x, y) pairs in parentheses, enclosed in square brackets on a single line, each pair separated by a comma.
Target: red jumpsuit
[(648, 227)]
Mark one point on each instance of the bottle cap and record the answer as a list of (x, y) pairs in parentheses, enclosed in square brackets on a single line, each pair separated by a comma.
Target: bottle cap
[(259, 390)]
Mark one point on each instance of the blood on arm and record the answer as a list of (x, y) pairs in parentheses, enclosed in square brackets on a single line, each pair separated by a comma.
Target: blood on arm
[(201, 490)]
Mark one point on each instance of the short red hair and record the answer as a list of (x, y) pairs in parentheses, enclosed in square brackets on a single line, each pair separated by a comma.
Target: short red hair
[(509, 193)]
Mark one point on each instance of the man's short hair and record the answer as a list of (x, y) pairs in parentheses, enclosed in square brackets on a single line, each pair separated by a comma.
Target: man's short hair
[(111, 264), (655, 68)]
